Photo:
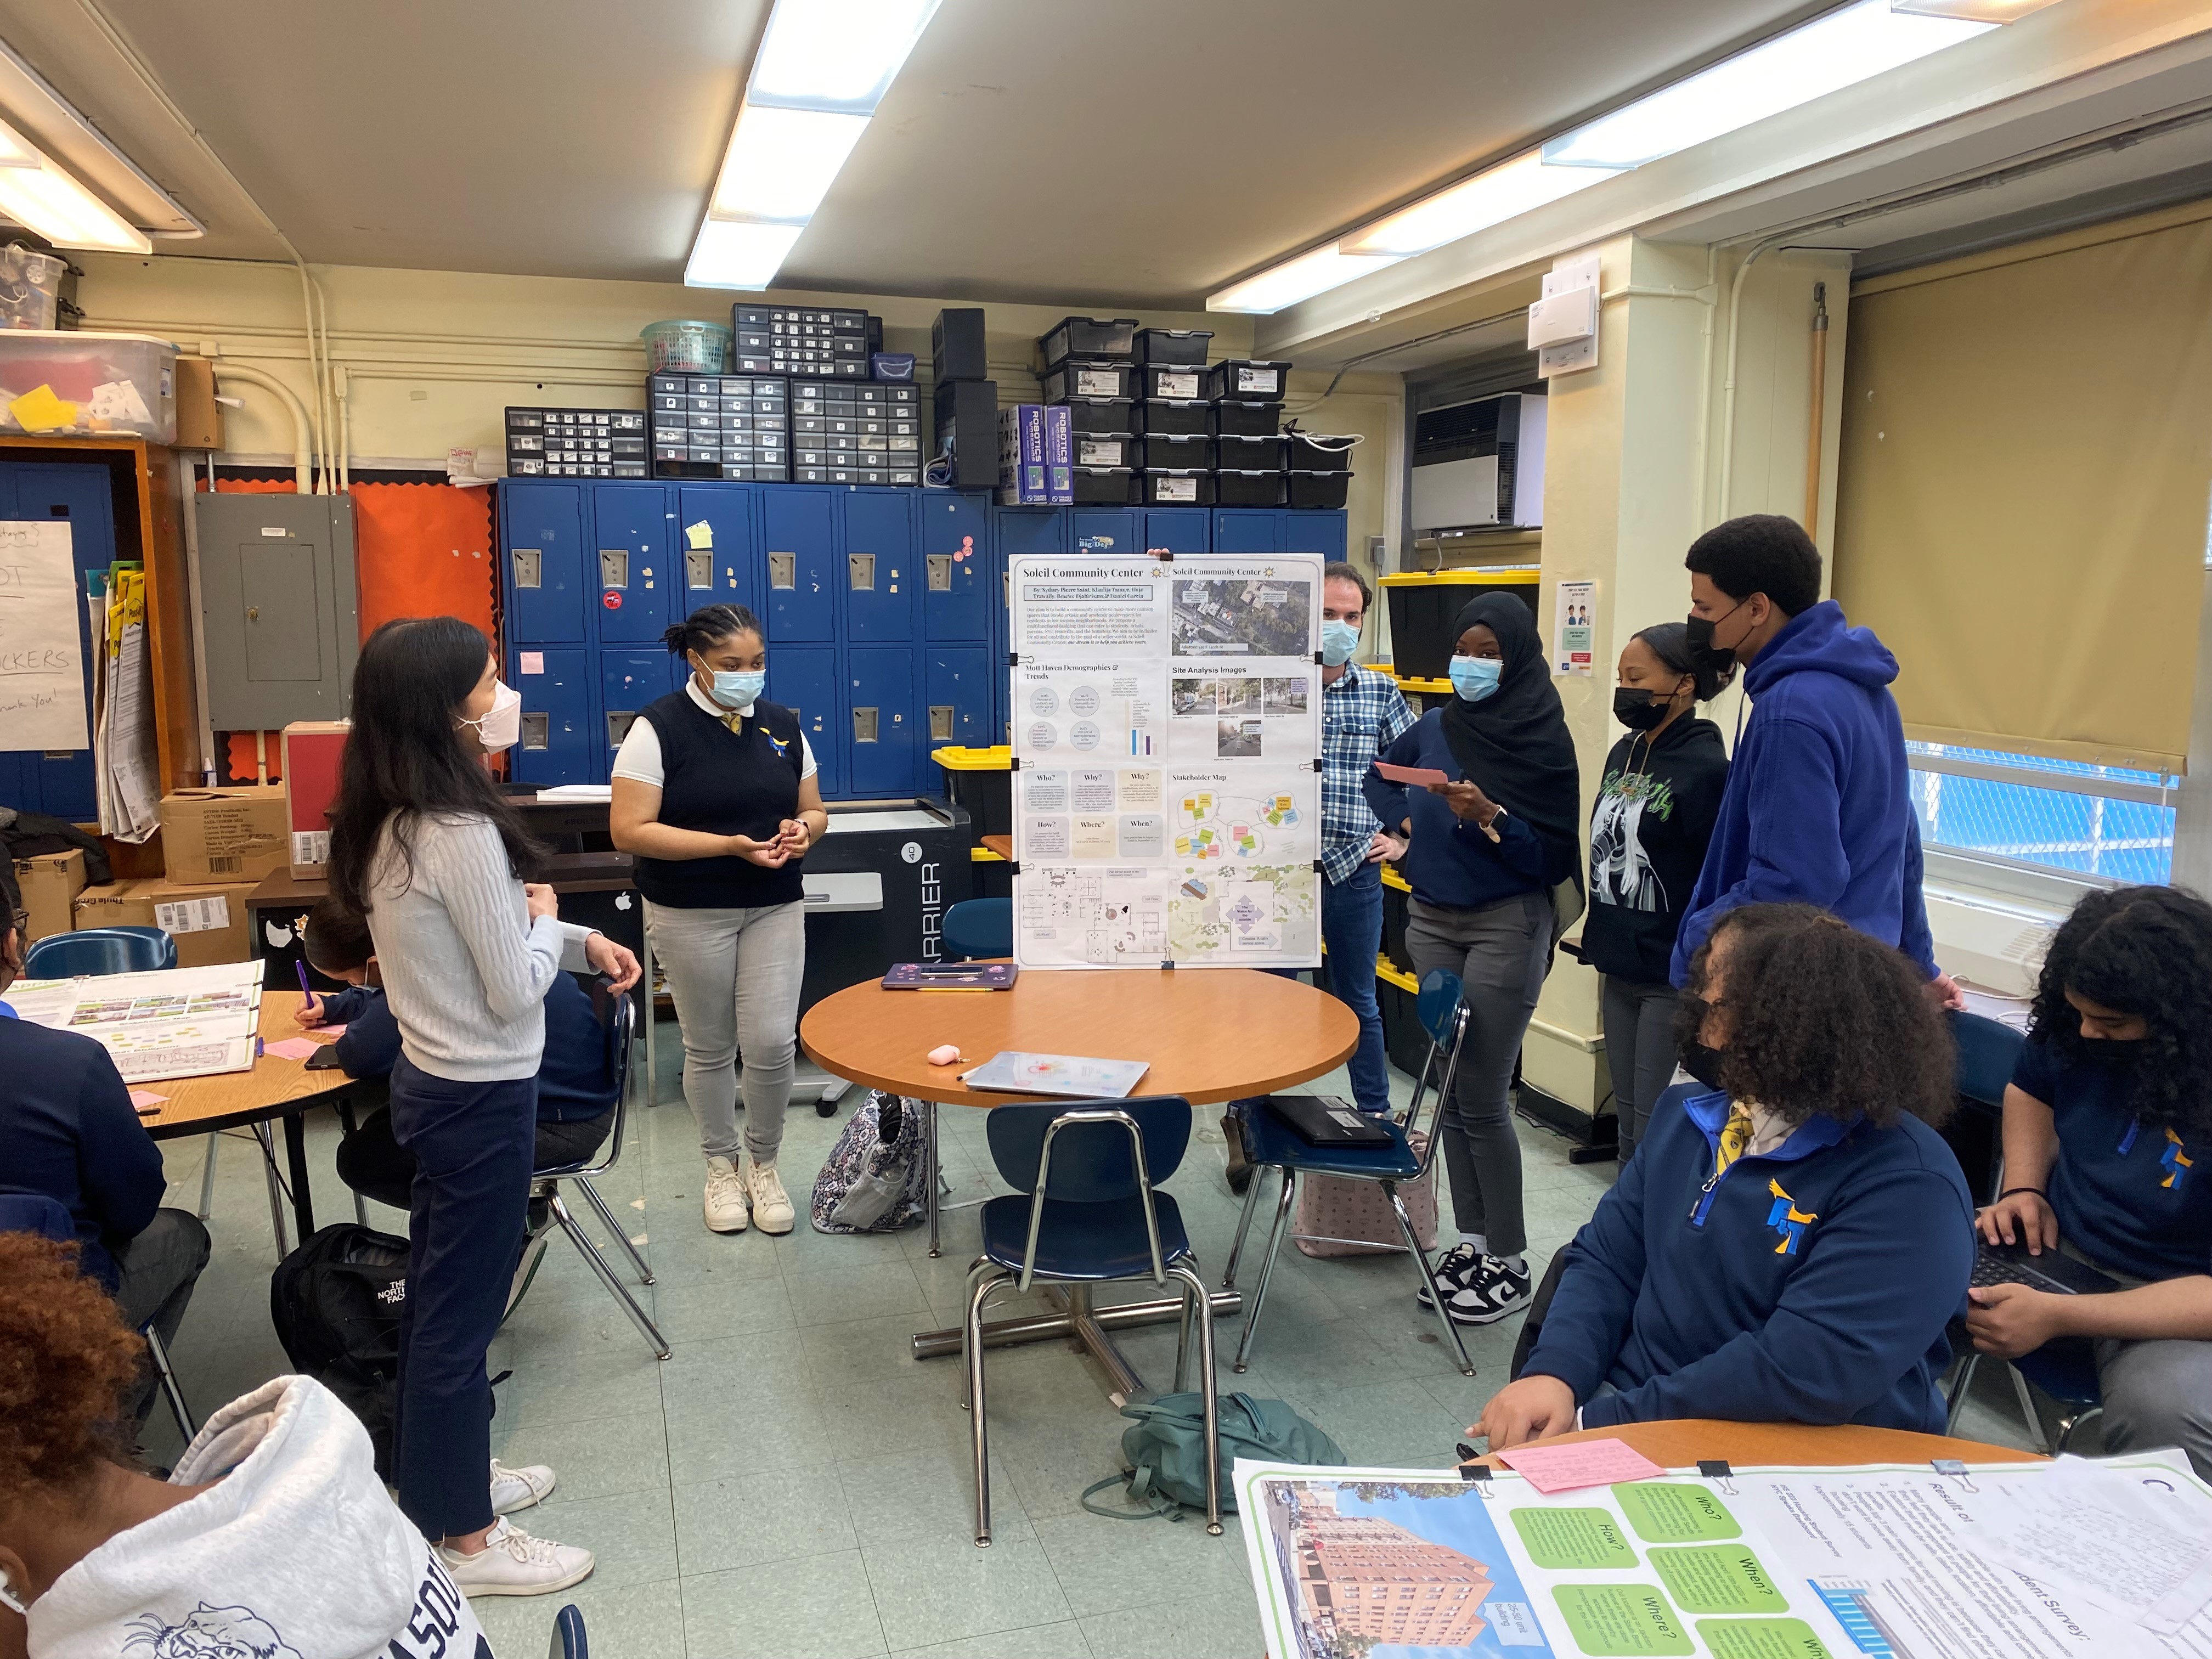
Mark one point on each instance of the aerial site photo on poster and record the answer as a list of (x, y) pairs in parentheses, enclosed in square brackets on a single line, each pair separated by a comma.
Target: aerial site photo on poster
[(1167, 721)]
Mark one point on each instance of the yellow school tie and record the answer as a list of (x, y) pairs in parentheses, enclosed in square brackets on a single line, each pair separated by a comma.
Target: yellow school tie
[(736, 723), (1736, 1135)]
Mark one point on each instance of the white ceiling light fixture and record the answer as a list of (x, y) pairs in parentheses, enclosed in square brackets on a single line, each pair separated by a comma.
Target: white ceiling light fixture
[(1490, 197), (1973, 11), (42, 197), (1297, 279), (823, 67)]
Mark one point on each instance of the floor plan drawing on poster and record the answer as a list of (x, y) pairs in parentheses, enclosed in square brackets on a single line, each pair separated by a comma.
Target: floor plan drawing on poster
[(1166, 726)]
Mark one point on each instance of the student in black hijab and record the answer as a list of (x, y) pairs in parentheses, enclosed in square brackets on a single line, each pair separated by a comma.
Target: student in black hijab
[(1493, 856)]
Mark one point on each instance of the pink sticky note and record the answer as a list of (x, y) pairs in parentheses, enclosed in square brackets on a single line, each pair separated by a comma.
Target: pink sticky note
[(292, 1048), (333, 1032), (1581, 1463), (1421, 776), (145, 1099)]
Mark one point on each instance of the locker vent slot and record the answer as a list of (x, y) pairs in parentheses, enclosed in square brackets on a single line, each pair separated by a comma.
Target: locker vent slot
[(618, 725), (864, 726), (940, 722), (529, 567), (614, 567), (535, 731), (940, 572), (699, 569), (861, 567), (783, 570)]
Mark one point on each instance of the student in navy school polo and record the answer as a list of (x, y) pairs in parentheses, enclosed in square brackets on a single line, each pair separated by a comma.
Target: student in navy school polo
[(1792, 1235), (2108, 1154)]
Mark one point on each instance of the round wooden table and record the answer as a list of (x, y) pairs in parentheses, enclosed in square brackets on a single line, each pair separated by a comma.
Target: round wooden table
[(1208, 1034), (1678, 1445)]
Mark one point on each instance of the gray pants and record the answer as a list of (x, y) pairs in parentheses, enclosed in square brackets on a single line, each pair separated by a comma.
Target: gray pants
[(2158, 1393), (1500, 953), (155, 1275), (1639, 1051), (735, 976)]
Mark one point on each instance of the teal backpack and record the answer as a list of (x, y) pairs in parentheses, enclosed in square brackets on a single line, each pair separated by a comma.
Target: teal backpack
[(1165, 1450)]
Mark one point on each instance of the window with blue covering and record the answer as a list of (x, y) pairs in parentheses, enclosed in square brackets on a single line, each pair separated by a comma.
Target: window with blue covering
[(2098, 825)]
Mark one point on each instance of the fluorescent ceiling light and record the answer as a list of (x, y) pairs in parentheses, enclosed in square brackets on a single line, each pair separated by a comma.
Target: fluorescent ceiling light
[(836, 54), (1490, 197), (41, 197), (1297, 279), (1825, 56), (782, 162), (1973, 11), (733, 253)]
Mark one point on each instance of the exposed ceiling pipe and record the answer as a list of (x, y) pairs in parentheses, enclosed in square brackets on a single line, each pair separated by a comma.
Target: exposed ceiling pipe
[(303, 467)]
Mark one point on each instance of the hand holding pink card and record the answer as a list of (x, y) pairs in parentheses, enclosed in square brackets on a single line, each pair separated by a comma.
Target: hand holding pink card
[(1419, 776)]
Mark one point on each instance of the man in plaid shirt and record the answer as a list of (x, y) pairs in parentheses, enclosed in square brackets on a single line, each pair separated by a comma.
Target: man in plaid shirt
[(1362, 714)]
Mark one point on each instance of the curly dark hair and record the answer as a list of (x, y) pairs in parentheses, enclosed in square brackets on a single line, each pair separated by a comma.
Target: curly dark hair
[(2144, 950), (66, 1360), (1822, 1018)]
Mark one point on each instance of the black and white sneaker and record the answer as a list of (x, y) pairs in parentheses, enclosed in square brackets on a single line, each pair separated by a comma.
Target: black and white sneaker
[(1454, 1270), (1493, 1291)]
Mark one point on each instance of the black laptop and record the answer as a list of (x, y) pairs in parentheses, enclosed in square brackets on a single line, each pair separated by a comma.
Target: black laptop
[(1325, 1120), (2052, 1271)]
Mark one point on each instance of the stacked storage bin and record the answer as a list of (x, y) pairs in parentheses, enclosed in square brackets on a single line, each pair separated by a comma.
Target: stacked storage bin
[(966, 436), (831, 345), (720, 426), (1248, 411), (1090, 368), (856, 434), (576, 443), (1175, 417), (1318, 469)]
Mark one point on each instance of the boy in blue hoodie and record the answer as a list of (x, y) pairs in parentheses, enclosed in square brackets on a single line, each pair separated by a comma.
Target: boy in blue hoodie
[(1792, 1234), (1819, 805)]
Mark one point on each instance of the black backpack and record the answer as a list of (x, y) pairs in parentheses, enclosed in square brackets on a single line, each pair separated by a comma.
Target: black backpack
[(336, 1303)]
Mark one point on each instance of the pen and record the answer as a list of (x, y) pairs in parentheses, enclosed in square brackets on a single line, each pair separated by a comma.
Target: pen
[(305, 990)]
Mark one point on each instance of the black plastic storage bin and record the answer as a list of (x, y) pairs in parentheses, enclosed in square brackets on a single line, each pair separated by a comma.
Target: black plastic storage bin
[(1170, 380), (1424, 605), (1403, 1040), (1106, 449), (1233, 454), (1193, 419), (1248, 489), (1315, 451), (1173, 345), (1318, 489), (1166, 488), (1175, 454), (1089, 336), (1395, 914), (956, 345), (1087, 377), (1101, 415), (1105, 486), (1237, 419), (1255, 380)]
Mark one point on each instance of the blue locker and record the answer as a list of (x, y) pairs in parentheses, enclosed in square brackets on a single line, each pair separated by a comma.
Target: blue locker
[(961, 696), (559, 744), (956, 588), (628, 681), (634, 561), (1177, 530), (62, 781), (1315, 531), (883, 729), (804, 679), (1030, 530), (545, 577), (1247, 530), (726, 571), (800, 590), (1104, 530), (882, 576)]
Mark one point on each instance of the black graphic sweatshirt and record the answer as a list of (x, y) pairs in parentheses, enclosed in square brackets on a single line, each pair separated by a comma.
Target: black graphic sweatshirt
[(1655, 814)]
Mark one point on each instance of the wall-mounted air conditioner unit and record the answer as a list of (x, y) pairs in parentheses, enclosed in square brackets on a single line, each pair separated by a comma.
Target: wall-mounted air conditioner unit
[(1480, 465)]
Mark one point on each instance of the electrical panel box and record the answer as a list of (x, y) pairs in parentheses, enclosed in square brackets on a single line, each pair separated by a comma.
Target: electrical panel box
[(278, 609)]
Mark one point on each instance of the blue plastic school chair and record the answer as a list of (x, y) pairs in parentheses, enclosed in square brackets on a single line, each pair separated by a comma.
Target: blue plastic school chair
[(100, 950), (1086, 1210), (569, 1638), (979, 927)]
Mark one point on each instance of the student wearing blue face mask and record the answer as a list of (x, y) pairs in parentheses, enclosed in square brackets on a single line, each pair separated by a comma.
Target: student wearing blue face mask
[(1493, 854), (714, 792)]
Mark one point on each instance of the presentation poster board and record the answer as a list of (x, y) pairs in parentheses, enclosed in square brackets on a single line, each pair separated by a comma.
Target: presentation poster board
[(41, 666), (1167, 734)]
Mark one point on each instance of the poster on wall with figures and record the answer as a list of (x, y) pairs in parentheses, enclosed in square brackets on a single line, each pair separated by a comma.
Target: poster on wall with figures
[(1167, 724)]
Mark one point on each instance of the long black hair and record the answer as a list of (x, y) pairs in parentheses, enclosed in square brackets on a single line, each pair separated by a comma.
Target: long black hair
[(1670, 643), (708, 625), (405, 756), (2144, 950)]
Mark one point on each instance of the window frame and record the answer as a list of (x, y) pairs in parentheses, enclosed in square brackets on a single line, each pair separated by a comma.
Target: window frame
[(2040, 884)]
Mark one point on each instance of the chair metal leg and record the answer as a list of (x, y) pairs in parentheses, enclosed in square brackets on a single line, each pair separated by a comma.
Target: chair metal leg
[(275, 1191), (1960, 1390), (344, 1105), (928, 1110), (638, 1318), (207, 1176), (1266, 1265), (607, 1217), (1244, 1224), (2027, 1409), (2067, 1424), (1183, 1347), (1428, 1277), (1195, 1288), (976, 1269), (973, 1336), (159, 1352)]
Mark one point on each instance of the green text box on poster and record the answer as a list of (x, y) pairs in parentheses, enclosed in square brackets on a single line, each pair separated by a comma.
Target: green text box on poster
[(1762, 1638), (1664, 1513), (1622, 1622), (1573, 1540), (1718, 1578)]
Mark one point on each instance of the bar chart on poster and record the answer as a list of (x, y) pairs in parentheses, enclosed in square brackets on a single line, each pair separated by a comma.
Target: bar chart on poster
[(1167, 731)]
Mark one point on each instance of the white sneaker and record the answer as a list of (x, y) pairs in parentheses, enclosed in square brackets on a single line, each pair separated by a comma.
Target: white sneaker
[(513, 1563), (771, 1204), (518, 1489), (724, 1203)]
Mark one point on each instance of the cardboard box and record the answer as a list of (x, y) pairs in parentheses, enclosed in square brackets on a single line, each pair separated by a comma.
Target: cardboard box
[(240, 833), (206, 918), (312, 751), (51, 882), (199, 417)]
